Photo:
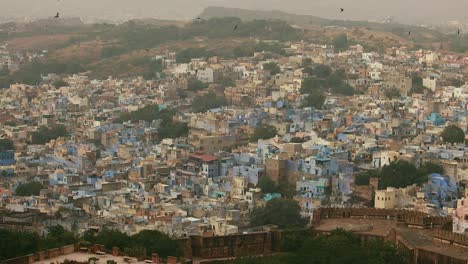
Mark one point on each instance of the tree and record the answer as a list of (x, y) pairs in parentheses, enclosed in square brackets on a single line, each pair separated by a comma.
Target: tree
[(401, 174), (310, 85), (206, 102), (363, 178), (297, 140), (341, 42), (60, 83), (284, 213), (28, 189), (173, 129), (431, 167), (267, 185), (4, 71), (6, 144), (57, 236), (272, 67), (341, 246), (45, 134), (112, 238), (263, 131), (196, 85), (453, 134), (322, 71), (392, 93), (314, 100), (226, 82), (157, 242), (186, 55)]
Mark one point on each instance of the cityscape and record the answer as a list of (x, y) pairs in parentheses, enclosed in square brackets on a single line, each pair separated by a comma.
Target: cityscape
[(232, 138)]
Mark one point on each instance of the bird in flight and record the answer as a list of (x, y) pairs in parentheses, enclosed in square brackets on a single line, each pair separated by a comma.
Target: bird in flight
[(341, 10), (236, 26), (57, 15)]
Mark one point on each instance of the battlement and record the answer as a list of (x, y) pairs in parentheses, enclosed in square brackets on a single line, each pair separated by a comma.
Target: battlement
[(409, 218)]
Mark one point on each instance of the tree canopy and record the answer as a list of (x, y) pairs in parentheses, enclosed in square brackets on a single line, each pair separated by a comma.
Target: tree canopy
[(45, 134), (323, 79), (314, 100), (186, 55), (392, 93), (6, 144), (341, 42), (263, 131), (19, 243), (60, 83), (285, 213), (272, 67), (208, 101), (149, 241), (453, 134), (28, 189), (196, 85)]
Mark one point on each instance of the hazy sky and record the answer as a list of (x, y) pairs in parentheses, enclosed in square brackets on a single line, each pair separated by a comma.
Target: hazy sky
[(414, 11)]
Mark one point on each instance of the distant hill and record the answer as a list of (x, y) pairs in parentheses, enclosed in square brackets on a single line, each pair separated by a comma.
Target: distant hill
[(419, 34), (248, 15)]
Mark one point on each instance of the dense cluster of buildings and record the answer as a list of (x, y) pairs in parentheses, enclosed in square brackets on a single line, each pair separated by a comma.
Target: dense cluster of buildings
[(125, 175)]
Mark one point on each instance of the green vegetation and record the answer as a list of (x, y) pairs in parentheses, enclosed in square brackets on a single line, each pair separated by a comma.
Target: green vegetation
[(173, 129), (186, 55), (338, 247), (272, 67), (196, 85), (344, 247), (314, 100), (168, 127), (323, 79), (17, 243), (340, 43), (28, 189), (392, 93), (453, 134), (297, 140), (363, 178), (208, 101), (60, 83), (284, 213), (31, 73), (6, 144), (4, 71), (45, 134), (150, 67), (400, 174), (322, 71), (267, 185), (226, 81), (263, 131), (148, 241)]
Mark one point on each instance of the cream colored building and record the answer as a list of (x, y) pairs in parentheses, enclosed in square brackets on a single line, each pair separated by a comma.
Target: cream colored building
[(393, 198)]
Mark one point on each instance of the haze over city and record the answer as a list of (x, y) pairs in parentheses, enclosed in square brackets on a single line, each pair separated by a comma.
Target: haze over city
[(405, 11), (233, 132)]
